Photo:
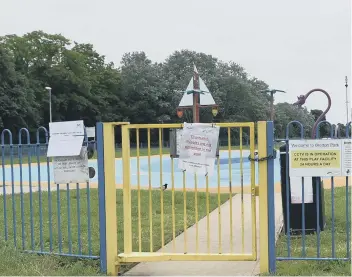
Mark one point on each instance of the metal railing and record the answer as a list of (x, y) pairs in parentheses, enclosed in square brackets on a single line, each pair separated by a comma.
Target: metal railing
[(329, 238), (37, 215)]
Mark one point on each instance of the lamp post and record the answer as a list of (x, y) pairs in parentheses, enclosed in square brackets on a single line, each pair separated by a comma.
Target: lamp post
[(272, 92), (346, 85), (50, 113)]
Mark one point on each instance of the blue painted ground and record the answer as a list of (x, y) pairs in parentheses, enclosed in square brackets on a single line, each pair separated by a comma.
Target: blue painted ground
[(33, 172)]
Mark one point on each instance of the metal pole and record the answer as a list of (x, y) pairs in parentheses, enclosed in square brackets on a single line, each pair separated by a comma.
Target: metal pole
[(50, 113), (346, 85), (272, 105), (51, 116)]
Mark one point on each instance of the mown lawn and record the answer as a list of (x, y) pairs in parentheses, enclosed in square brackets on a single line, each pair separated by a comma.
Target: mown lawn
[(15, 262), (319, 268)]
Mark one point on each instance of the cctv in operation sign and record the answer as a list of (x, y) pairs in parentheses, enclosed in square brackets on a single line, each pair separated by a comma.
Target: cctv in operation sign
[(314, 158)]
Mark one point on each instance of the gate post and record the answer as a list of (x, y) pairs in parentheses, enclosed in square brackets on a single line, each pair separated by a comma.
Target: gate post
[(107, 197), (266, 197), (263, 198), (271, 197), (127, 220)]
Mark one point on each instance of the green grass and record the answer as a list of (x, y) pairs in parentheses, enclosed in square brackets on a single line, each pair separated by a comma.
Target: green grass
[(319, 268), (14, 262)]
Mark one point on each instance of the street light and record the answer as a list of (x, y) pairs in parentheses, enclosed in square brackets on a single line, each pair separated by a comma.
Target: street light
[(272, 92), (49, 90)]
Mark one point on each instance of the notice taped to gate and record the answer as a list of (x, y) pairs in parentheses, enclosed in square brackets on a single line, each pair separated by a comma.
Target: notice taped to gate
[(314, 158), (198, 146)]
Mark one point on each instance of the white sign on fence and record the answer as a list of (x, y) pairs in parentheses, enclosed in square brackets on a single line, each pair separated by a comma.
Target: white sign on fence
[(313, 158), (198, 146), (71, 169), (90, 131), (296, 190), (70, 161)]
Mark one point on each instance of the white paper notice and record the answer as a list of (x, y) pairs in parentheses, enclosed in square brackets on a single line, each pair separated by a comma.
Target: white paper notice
[(73, 169), (198, 146), (90, 131), (296, 190), (60, 146), (347, 157), (73, 128)]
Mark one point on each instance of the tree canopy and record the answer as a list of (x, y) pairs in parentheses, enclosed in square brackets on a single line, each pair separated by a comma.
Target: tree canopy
[(86, 86)]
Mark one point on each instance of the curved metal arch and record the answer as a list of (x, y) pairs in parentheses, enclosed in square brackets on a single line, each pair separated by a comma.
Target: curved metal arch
[(291, 123), (3, 136), (45, 132), (20, 136), (317, 133)]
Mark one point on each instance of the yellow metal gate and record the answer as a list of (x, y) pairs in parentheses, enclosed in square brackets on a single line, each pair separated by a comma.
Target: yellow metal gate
[(195, 218)]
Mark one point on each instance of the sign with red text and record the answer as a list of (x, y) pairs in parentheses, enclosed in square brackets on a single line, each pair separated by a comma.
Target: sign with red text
[(198, 146)]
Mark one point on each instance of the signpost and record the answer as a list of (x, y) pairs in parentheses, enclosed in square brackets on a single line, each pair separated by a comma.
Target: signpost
[(324, 158)]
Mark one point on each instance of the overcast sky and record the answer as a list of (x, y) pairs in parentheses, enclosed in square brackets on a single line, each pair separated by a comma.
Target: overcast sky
[(294, 45)]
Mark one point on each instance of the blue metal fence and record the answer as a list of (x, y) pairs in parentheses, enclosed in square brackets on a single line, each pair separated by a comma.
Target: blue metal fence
[(334, 233), (39, 216)]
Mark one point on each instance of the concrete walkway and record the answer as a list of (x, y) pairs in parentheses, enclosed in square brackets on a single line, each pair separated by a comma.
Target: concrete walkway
[(214, 268)]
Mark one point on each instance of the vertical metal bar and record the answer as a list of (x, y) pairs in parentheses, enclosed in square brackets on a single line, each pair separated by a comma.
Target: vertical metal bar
[(184, 211), (59, 217), (78, 220), (230, 184), (31, 196), (139, 195), (107, 198), (348, 221), (208, 211), (161, 190), (318, 216), (303, 222), (219, 206), (263, 197), (21, 192), (40, 199), (196, 210), (253, 198), (4, 186), (288, 242), (242, 192), (13, 197), (89, 221), (271, 197), (103, 242), (50, 206), (173, 205), (69, 219), (150, 195), (333, 218)]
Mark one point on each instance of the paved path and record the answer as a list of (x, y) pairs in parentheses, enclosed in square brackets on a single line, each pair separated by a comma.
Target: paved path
[(214, 268)]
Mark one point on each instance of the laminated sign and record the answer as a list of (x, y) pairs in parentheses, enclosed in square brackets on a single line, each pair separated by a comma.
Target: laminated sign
[(198, 145), (314, 158), (70, 161)]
